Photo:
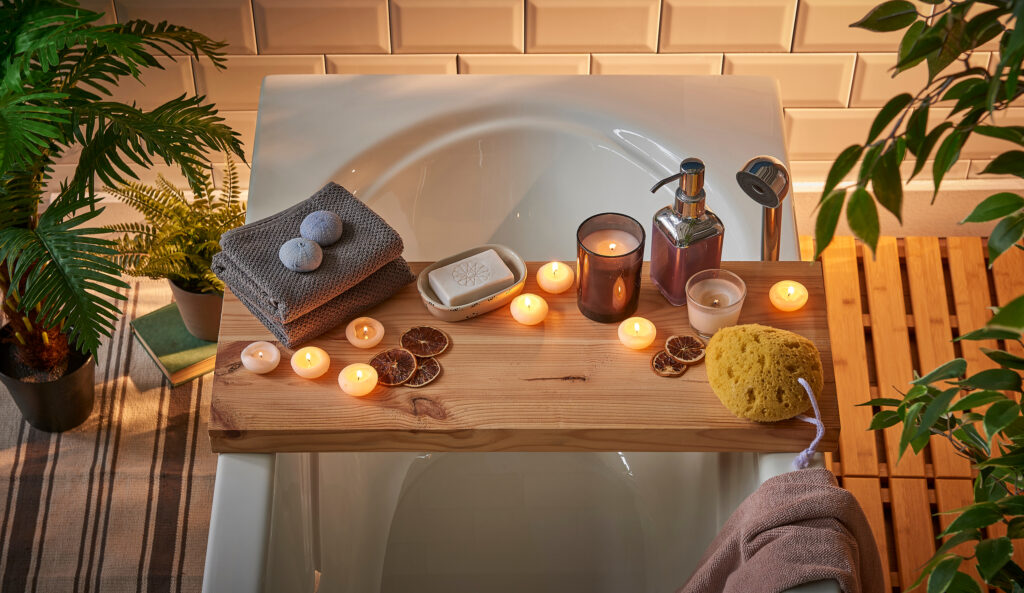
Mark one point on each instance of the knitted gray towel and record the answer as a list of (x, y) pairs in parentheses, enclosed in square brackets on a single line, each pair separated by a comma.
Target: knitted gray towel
[(376, 288), (249, 265)]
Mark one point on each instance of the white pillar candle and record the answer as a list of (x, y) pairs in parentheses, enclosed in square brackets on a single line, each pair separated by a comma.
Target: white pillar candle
[(261, 357), (529, 309), (714, 299), (357, 379), (555, 277), (310, 362), (364, 332), (636, 333)]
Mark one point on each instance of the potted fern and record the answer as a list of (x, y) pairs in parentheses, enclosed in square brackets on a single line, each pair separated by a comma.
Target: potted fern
[(981, 414), (59, 281), (178, 241)]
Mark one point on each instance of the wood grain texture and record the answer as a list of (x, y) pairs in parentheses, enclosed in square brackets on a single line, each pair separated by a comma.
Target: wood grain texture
[(949, 496), (911, 527), (971, 296), (564, 385), (891, 342), (933, 335), (857, 448), (867, 491), (1008, 278)]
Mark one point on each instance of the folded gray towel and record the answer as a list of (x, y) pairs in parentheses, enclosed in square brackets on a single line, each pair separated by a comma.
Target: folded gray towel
[(249, 264), (375, 289)]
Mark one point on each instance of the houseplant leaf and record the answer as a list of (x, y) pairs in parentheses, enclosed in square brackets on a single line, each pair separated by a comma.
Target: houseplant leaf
[(889, 16), (995, 206), (862, 216)]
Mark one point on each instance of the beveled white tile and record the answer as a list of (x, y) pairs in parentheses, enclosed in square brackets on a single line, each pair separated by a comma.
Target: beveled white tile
[(558, 26), (524, 64), (220, 20), (821, 134), (238, 86), (321, 26), (824, 26), (805, 80), (446, 26), (874, 85), (243, 122), (656, 64), (392, 64), (157, 86), (727, 25)]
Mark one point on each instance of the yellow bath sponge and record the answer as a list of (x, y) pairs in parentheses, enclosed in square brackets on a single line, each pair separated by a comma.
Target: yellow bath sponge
[(753, 369)]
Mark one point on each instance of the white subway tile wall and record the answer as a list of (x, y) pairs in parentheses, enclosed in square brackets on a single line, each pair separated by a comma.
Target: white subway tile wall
[(832, 78)]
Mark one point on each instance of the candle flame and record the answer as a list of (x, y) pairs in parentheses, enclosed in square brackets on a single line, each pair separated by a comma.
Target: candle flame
[(359, 374), (366, 331), (554, 268), (636, 328), (791, 290), (611, 246), (309, 359), (260, 353)]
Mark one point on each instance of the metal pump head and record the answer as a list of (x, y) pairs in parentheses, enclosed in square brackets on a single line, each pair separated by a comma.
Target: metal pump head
[(766, 180)]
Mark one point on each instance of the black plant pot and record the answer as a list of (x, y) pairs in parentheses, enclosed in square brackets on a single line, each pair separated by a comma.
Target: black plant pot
[(53, 406)]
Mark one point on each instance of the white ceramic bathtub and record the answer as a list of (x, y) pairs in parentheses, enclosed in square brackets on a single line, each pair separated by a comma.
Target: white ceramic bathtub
[(452, 162)]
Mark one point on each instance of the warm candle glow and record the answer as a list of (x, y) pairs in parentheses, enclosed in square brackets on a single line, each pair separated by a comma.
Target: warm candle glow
[(788, 295), (260, 357), (357, 379), (641, 336), (555, 277), (310, 362), (364, 332), (529, 309)]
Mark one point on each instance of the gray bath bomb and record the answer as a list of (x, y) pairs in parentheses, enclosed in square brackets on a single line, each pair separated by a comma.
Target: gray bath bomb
[(321, 226), (300, 255)]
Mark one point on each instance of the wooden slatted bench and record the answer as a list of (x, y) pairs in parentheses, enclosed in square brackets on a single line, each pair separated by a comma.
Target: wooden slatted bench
[(889, 315)]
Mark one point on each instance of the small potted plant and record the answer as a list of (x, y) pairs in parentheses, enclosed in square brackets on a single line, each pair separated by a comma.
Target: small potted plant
[(58, 279), (178, 241)]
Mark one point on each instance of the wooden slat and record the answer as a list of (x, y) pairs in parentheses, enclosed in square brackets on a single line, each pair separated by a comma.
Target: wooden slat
[(567, 384), (970, 296), (806, 248), (1008, 277), (933, 334), (849, 356), (953, 494), (891, 342), (868, 493), (911, 526)]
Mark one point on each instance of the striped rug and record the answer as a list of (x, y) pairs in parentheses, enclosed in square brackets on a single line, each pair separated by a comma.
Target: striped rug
[(121, 503)]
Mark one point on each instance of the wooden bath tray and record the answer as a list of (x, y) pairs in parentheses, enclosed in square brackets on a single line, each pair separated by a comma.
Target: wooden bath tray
[(564, 385)]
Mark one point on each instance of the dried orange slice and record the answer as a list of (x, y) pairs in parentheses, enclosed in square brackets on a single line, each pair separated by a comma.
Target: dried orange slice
[(394, 366), (424, 341), (685, 349), (665, 365), (428, 370)]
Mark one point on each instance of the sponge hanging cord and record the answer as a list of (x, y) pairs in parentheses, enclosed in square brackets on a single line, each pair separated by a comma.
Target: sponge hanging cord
[(803, 459)]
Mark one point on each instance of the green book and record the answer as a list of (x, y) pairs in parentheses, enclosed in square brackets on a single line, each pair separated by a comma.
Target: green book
[(180, 356)]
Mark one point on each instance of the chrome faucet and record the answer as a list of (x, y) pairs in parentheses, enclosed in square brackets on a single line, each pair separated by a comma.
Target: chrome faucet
[(766, 180)]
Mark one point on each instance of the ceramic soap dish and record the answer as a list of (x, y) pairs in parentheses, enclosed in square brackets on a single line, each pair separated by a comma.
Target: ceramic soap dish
[(479, 306)]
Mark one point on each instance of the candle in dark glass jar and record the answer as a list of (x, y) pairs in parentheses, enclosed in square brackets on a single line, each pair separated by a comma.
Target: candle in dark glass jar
[(609, 257)]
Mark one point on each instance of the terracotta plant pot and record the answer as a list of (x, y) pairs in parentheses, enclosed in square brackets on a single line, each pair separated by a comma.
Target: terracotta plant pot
[(199, 311), (53, 406)]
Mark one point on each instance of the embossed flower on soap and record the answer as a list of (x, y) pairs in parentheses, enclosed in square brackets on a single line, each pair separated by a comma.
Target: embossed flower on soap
[(470, 274)]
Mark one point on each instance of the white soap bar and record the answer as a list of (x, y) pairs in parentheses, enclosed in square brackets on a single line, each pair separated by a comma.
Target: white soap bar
[(470, 279)]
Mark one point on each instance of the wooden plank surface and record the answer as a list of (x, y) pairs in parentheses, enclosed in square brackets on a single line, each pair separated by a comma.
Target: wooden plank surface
[(1008, 278), (564, 385), (867, 491), (911, 527), (891, 342), (933, 335), (971, 296), (951, 495), (857, 449)]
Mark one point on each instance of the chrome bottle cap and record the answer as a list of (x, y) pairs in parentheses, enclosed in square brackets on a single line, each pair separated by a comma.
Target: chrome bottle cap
[(690, 193)]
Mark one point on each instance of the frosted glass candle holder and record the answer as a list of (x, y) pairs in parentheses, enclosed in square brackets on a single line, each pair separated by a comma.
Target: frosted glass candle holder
[(714, 299)]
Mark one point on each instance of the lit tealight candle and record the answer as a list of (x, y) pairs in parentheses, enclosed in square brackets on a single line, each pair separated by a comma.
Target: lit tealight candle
[(364, 332), (357, 379), (529, 309), (261, 357), (636, 333), (788, 295), (555, 277), (310, 362)]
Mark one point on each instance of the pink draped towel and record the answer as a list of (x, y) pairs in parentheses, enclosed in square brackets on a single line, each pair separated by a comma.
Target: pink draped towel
[(795, 529)]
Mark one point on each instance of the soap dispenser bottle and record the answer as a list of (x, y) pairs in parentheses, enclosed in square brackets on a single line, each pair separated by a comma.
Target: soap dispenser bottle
[(686, 237)]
